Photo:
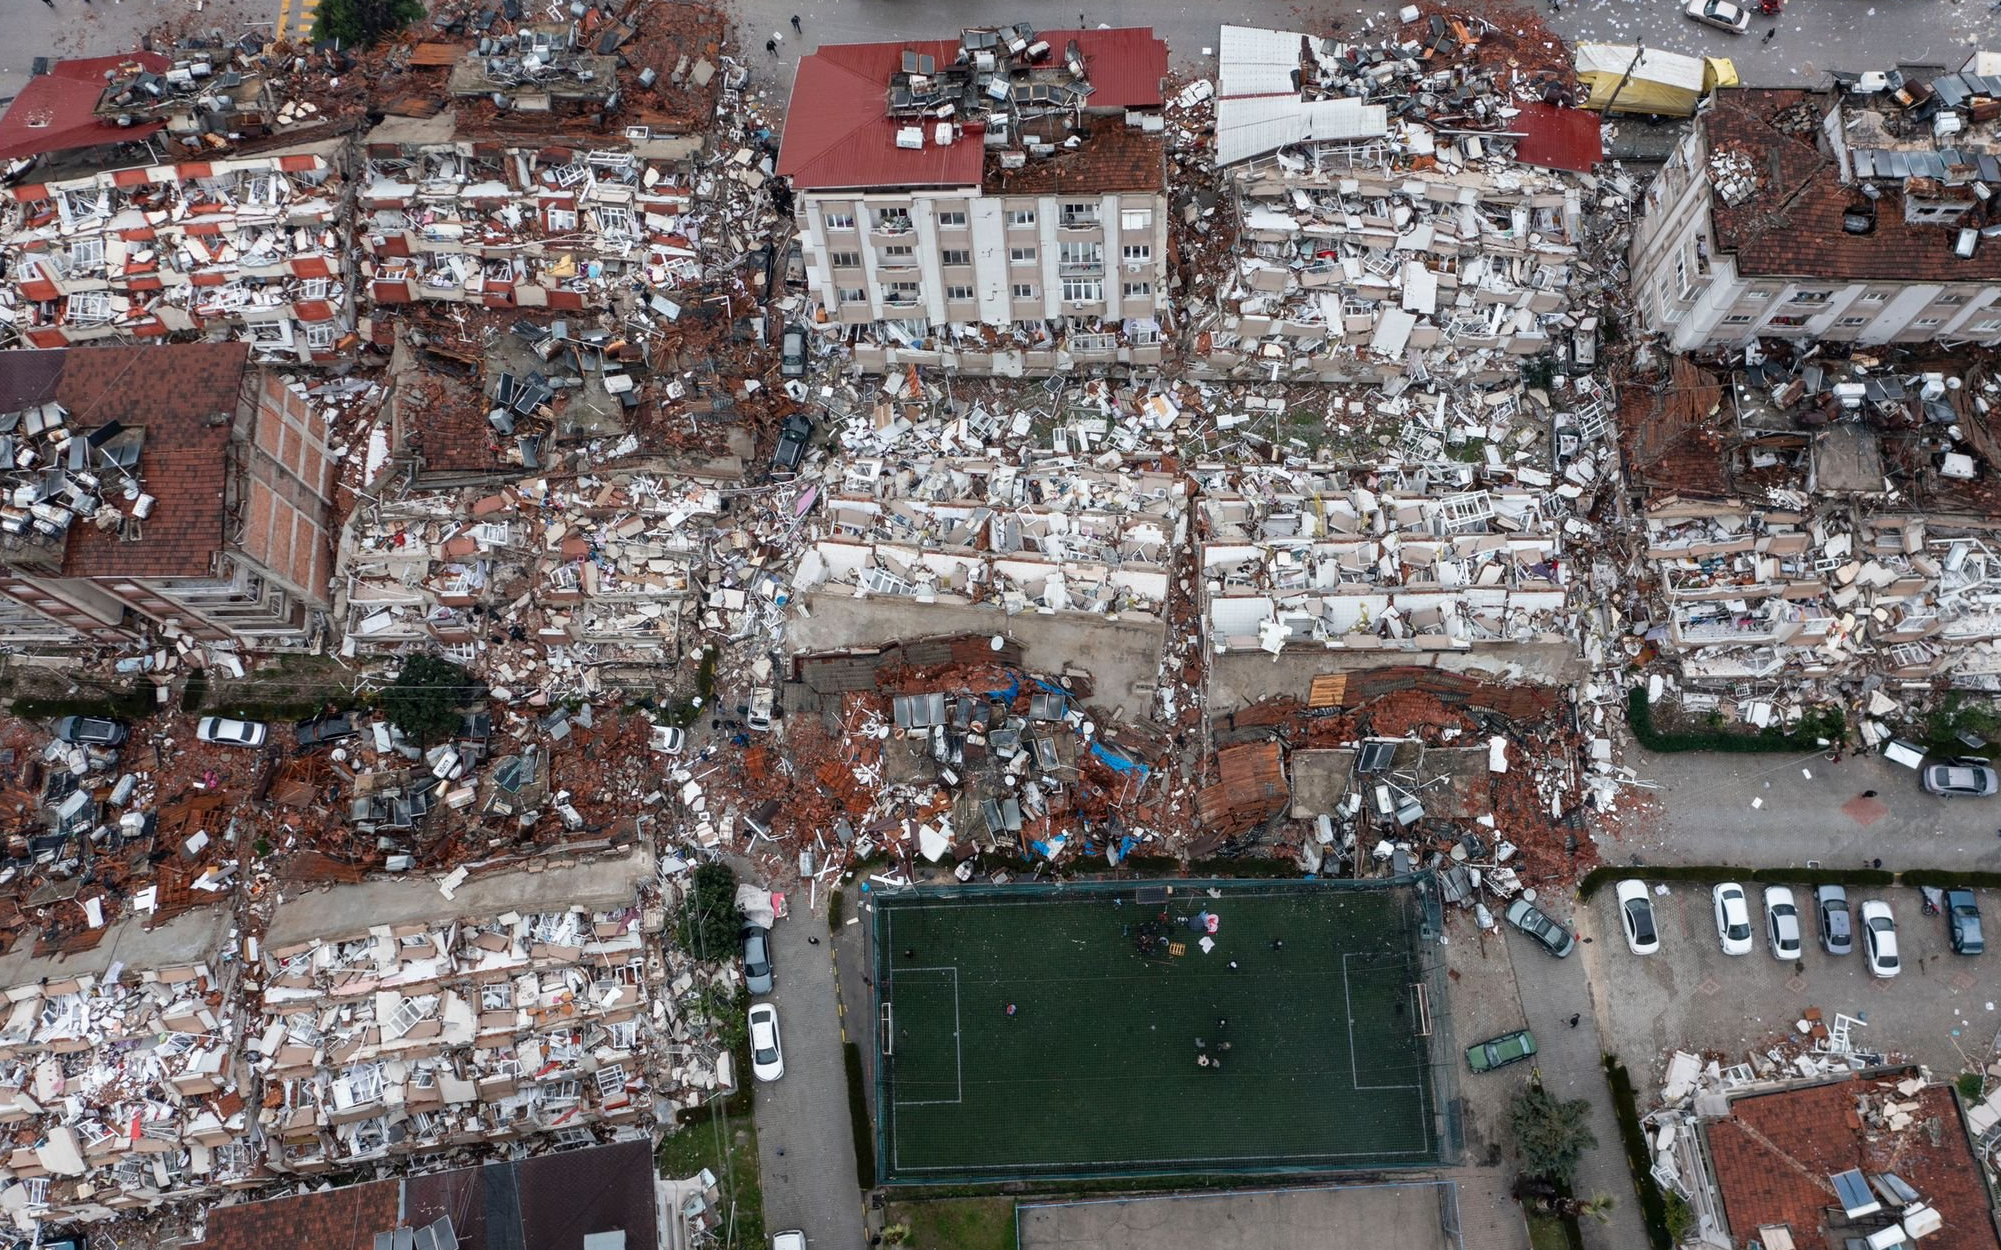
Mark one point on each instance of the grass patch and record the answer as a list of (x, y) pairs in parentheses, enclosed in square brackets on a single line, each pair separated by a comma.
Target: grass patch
[(136, 703), (1547, 1232), (858, 1117), (1805, 737), (1639, 1159), (957, 1223), (837, 909), (1710, 874), (728, 1148)]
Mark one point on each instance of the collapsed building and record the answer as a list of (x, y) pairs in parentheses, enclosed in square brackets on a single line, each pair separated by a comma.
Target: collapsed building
[(175, 197), (1863, 214), (1819, 526), (995, 204), (1448, 244)]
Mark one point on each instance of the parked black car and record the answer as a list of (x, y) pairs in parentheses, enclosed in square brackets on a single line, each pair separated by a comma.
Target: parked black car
[(793, 438), (321, 730), (1962, 919)]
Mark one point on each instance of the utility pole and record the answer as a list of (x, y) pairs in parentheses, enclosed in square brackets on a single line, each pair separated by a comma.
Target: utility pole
[(1625, 78)]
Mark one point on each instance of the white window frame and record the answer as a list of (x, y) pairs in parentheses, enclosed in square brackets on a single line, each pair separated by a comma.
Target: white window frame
[(1136, 253), (958, 294), (839, 221), (1020, 217), (1021, 256), (844, 260), (964, 255), (1135, 219), (851, 295), (1022, 290), (1083, 290), (1138, 290), (952, 219)]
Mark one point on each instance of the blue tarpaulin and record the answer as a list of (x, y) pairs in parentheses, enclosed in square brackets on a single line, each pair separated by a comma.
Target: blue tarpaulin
[(1116, 761)]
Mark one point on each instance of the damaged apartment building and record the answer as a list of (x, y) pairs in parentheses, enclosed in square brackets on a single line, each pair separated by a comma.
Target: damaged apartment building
[(1399, 213), (994, 204), (161, 495), (1820, 525), (1388, 566), (1046, 535), (1862, 214), (419, 1037), (173, 197)]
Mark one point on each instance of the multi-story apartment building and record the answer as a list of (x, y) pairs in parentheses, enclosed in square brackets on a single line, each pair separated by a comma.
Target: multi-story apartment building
[(160, 492), (1865, 213), (995, 203)]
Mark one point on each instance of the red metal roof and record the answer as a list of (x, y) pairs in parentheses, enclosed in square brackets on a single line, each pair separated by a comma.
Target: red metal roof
[(1559, 138), (838, 132), (56, 111)]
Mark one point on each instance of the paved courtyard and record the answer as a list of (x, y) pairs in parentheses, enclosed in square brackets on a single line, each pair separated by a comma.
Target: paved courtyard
[(1412, 1216), (1690, 995)]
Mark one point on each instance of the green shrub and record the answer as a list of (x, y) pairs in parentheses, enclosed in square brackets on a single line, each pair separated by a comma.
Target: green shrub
[(195, 692), (360, 23), (135, 703), (709, 924), (1681, 1223), (1805, 736), (1971, 1086), (858, 1117), (424, 699), (1654, 1210), (1943, 879)]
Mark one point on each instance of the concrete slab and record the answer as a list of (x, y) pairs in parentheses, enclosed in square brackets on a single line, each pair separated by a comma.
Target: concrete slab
[(1410, 1216), (189, 938), (1122, 656), (1241, 678), (343, 911)]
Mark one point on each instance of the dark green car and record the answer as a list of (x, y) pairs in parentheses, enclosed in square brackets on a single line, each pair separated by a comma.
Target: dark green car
[(1499, 1052)]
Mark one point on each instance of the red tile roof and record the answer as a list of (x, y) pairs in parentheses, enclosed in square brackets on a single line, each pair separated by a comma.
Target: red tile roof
[(1774, 1153), (336, 1219), (838, 132), (57, 111), (1791, 226), (1558, 138), (1116, 157), (171, 392)]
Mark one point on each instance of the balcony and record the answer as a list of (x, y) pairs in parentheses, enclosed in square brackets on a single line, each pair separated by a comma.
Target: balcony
[(1080, 219)]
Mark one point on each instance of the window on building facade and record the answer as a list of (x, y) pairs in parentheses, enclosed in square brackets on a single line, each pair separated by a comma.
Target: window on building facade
[(1135, 219), (1135, 252), (1137, 290), (1083, 290), (1737, 319), (956, 256), (853, 295), (1080, 214), (1024, 290), (1853, 321), (1021, 256), (952, 218), (893, 219), (1812, 297), (958, 292), (1950, 301), (845, 260), (840, 221), (1080, 255), (900, 293), (1020, 216), (1926, 323), (1991, 325), (899, 252)]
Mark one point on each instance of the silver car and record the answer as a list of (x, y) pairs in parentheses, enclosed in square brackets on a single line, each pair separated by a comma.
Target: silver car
[(1837, 933), (1966, 778)]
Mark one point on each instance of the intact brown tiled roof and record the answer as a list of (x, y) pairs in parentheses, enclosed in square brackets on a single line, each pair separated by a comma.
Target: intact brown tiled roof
[(174, 393), (1791, 226), (1116, 157), (338, 1219), (1775, 1152)]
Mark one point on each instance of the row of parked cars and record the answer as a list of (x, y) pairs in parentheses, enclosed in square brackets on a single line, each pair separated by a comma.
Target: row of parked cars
[(220, 730)]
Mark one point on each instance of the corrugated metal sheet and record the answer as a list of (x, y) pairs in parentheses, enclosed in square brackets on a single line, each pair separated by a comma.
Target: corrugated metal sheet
[(839, 134), (1251, 60), (1247, 127), (1559, 138)]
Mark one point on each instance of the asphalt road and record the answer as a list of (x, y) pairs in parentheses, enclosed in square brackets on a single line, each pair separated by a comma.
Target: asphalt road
[(1777, 811), (1811, 39), (804, 1139)]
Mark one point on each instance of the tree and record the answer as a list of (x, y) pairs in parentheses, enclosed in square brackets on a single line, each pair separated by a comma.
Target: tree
[(424, 699), (359, 23), (709, 923), (1550, 1134)]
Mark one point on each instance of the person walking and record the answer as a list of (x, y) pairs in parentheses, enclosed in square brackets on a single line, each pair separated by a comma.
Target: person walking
[(1575, 1016), (797, 29), (1769, 34), (770, 45)]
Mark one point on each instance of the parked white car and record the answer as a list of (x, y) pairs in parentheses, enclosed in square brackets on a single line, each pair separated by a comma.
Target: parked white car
[(1782, 923), (767, 1057), (1720, 14), (1879, 939), (1636, 916), (1733, 918), (223, 731)]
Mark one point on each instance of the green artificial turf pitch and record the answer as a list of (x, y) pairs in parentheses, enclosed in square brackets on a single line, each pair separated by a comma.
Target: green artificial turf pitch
[(1096, 1071)]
